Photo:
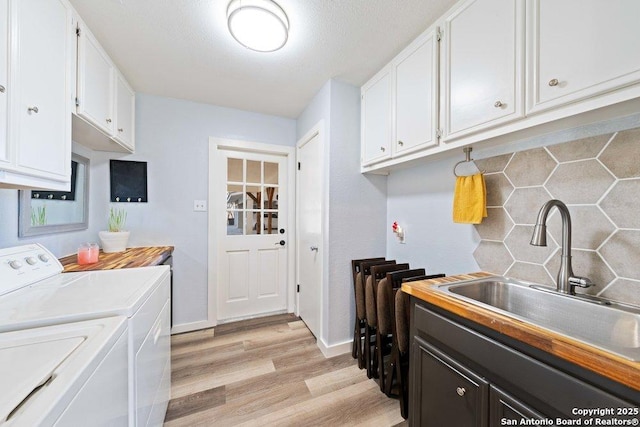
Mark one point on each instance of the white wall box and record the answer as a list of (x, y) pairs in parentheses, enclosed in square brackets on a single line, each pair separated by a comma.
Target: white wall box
[(511, 71), (38, 41), (376, 118), (104, 113), (483, 70), (581, 48), (416, 95)]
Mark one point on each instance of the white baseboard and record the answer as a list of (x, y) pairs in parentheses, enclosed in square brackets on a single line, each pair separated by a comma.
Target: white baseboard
[(189, 327), (335, 349)]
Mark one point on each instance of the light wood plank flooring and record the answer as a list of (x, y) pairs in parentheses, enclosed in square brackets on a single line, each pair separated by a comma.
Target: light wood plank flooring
[(269, 372)]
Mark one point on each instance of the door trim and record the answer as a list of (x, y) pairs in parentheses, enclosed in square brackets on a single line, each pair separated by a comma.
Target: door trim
[(319, 130), (215, 145)]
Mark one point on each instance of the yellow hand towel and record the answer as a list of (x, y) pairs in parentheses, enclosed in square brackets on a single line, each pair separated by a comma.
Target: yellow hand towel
[(470, 199)]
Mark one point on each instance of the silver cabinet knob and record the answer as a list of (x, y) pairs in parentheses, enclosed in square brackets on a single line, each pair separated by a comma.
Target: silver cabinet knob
[(314, 248), (33, 109), (108, 120), (2, 89), (498, 104), (553, 82), (383, 149), (461, 391), (400, 143), (120, 130)]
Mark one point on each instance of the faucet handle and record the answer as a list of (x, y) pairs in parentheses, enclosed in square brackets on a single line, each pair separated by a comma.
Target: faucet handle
[(583, 282)]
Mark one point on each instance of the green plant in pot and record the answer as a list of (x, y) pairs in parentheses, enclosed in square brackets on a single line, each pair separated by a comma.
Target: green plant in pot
[(115, 240)]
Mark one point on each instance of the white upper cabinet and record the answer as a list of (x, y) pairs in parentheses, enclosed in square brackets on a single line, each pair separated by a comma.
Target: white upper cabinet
[(4, 76), (125, 114), (105, 103), (581, 48), (483, 45), (416, 95), (376, 118), (40, 94), (96, 77)]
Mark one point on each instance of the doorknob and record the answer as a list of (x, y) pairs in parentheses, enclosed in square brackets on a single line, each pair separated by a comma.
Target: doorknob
[(314, 248), (281, 243)]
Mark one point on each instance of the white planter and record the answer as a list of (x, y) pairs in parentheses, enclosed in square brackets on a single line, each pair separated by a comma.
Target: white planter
[(113, 241)]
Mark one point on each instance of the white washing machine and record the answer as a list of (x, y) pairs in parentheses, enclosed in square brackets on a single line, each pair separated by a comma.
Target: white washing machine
[(57, 375), (35, 293)]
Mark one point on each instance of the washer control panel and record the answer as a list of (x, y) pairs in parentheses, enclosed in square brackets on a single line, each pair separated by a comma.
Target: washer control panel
[(21, 266)]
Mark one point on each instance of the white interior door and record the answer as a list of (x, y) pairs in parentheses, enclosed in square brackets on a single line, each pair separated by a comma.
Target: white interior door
[(309, 232), (252, 244)]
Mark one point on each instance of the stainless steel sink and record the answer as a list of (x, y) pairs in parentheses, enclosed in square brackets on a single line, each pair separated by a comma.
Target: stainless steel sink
[(608, 325)]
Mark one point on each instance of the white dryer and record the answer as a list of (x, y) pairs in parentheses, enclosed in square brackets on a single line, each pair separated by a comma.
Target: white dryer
[(35, 293)]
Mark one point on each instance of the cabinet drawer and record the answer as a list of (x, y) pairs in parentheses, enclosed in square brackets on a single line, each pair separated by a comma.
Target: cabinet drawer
[(147, 314), (555, 392)]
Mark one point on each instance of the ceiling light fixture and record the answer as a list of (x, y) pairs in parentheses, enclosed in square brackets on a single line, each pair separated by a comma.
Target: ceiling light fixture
[(259, 25)]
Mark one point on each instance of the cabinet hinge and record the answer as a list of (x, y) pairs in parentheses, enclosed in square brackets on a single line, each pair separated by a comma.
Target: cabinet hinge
[(299, 165), (78, 31), (77, 102), (298, 289), (439, 133), (438, 34)]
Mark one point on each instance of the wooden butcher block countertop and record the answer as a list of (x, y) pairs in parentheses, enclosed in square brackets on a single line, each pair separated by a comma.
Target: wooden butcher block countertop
[(606, 364), (130, 258)]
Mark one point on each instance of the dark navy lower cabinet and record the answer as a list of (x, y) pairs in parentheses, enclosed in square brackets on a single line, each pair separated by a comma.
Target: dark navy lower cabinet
[(465, 376)]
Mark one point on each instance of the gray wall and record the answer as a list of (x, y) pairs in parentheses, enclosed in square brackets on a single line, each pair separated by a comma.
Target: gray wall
[(173, 137), (356, 207), (420, 199)]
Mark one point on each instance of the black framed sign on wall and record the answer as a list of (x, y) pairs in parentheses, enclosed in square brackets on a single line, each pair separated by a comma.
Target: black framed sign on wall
[(128, 181)]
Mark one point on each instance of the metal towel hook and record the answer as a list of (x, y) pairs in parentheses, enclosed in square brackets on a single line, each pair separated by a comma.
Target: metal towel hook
[(467, 159)]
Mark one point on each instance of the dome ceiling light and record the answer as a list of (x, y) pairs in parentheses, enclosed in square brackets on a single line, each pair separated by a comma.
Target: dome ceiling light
[(259, 25)]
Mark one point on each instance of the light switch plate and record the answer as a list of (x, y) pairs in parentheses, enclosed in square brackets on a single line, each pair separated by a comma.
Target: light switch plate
[(199, 205)]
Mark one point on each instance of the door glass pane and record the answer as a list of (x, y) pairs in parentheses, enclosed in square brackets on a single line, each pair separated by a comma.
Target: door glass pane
[(253, 223), (270, 225), (234, 222), (270, 173), (270, 198), (254, 197), (234, 170), (254, 171)]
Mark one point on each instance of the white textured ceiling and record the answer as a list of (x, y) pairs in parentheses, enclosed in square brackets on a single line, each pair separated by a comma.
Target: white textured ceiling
[(182, 49)]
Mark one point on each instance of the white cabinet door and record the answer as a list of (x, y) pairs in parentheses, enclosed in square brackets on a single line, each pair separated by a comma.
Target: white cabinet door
[(4, 83), (125, 119), (581, 48), (416, 89), (376, 118), (96, 76), (482, 74), (41, 90)]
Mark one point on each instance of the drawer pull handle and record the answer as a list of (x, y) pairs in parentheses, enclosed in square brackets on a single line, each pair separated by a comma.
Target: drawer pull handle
[(498, 104), (400, 143), (461, 391), (33, 109), (382, 149), (553, 82)]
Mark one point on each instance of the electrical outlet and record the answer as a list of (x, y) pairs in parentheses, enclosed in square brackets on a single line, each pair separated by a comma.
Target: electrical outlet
[(199, 205)]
